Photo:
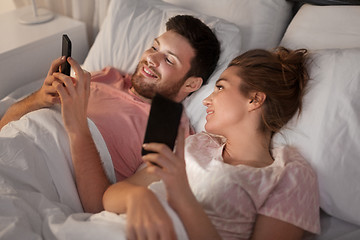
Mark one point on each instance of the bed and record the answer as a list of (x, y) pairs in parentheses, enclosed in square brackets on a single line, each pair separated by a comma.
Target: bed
[(38, 198)]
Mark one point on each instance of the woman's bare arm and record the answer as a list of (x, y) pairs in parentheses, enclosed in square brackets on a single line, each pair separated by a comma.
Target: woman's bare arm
[(274, 229)]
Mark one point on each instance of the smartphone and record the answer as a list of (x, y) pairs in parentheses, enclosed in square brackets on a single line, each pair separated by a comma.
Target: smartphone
[(163, 122), (66, 51)]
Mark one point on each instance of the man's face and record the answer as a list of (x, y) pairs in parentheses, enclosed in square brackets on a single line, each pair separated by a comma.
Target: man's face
[(163, 67)]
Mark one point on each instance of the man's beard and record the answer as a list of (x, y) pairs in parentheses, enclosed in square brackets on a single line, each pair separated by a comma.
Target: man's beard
[(149, 89)]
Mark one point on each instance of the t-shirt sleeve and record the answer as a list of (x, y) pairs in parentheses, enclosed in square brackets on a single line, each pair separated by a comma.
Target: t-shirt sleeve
[(295, 199)]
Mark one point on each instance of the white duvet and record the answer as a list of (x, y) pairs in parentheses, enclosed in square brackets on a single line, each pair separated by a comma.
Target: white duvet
[(38, 196)]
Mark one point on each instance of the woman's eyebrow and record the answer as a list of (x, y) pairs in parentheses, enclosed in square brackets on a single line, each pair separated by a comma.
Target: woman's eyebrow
[(221, 79)]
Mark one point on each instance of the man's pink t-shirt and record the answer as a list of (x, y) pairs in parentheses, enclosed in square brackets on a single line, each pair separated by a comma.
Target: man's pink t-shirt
[(121, 118)]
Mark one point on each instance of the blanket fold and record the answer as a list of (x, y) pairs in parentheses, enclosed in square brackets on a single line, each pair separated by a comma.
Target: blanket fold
[(36, 174)]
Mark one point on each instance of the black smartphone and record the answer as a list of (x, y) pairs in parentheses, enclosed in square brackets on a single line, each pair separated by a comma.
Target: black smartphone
[(163, 122), (66, 51)]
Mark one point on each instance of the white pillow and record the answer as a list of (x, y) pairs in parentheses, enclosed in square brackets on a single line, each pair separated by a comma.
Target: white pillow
[(322, 27), (131, 26), (328, 130), (262, 22)]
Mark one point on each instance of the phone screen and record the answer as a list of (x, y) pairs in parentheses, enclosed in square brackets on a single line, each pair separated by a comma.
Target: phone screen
[(66, 51), (163, 122)]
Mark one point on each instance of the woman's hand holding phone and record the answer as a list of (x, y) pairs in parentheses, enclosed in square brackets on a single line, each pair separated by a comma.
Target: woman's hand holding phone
[(171, 168)]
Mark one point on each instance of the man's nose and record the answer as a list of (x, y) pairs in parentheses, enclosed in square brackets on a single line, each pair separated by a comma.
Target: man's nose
[(153, 59)]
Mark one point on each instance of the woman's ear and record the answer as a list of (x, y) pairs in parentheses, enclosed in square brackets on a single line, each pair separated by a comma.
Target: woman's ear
[(256, 100), (192, 84)]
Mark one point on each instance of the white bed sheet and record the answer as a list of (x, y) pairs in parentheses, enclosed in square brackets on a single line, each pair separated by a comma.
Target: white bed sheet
[(37, 185), (335, 229)]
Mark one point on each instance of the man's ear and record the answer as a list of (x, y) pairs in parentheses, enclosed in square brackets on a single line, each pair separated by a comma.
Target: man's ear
[(256, 100), (192, 84)]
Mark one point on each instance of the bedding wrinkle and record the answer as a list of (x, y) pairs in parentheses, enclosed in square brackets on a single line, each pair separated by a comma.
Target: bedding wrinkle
[(37, 185), (25, 161)]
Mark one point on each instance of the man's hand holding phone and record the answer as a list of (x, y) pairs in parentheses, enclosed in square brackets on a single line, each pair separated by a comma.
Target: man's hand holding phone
[(71, 92), (47, 95), (74, 94)]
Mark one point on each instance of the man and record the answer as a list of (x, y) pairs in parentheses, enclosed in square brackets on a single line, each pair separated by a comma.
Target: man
[(177, 64)]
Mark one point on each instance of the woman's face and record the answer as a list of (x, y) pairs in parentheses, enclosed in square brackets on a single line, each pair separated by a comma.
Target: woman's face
[(226, 106)]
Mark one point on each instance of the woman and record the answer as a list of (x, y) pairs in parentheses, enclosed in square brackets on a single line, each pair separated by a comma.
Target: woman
[(230, 184)]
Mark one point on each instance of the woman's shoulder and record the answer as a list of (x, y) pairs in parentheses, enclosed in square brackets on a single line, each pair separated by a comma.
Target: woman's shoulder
[(295, 191), (297, 177), (290, 159)]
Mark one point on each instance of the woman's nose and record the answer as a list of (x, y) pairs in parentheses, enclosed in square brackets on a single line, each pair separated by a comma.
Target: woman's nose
[(207, 101)]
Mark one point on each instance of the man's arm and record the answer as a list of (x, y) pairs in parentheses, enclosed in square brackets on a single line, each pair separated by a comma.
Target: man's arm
[(19, 109), (91, 180), (46, 96), (115, 197), (90, 177)]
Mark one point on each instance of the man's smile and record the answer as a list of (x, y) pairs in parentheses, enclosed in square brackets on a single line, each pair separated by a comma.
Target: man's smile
[(147, 72)]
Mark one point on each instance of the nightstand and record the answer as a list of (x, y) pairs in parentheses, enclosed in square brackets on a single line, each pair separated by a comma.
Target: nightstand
[(26, 51)]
